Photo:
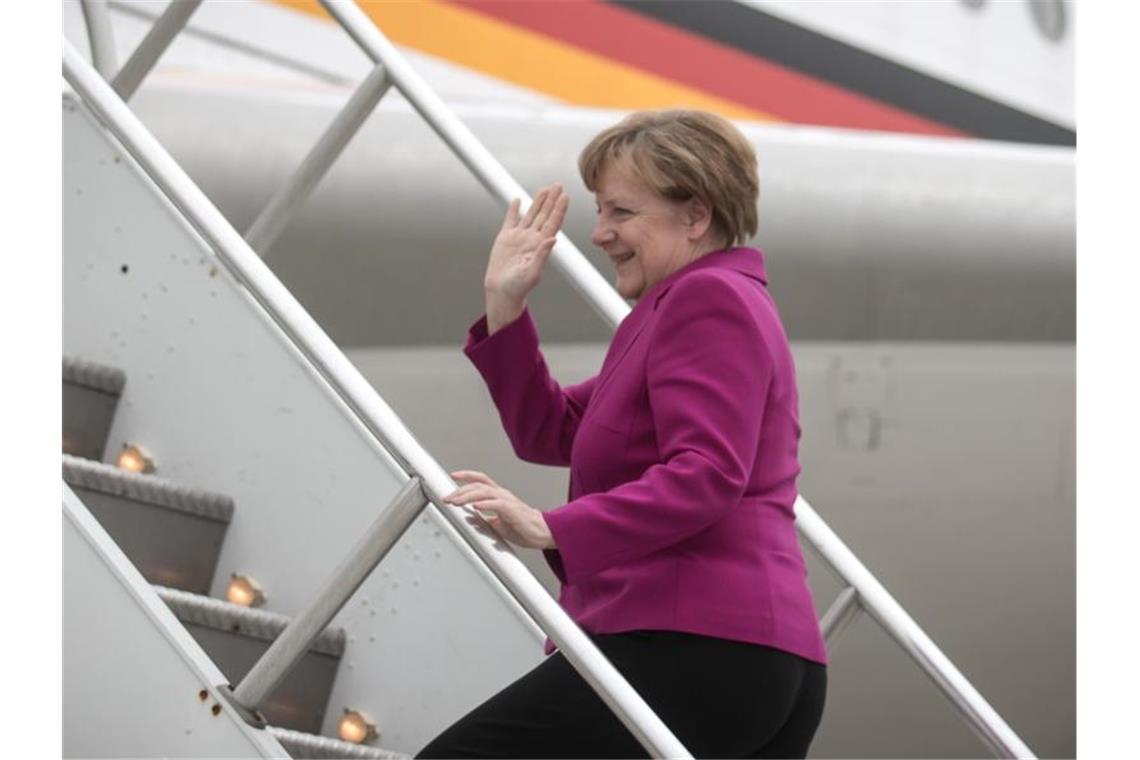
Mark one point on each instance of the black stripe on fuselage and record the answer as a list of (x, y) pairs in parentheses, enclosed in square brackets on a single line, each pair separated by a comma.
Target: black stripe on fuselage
[(763, 35)]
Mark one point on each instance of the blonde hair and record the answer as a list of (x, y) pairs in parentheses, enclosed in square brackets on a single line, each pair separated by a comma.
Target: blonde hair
[(682, 154)]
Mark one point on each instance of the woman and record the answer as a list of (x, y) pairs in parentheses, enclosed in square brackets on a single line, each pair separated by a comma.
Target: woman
[(677, 550)]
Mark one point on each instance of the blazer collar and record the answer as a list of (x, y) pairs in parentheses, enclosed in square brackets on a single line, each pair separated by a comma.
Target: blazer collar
[(747, 261)]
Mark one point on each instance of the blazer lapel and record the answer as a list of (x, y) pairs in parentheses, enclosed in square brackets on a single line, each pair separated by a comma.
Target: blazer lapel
[(627, 334)]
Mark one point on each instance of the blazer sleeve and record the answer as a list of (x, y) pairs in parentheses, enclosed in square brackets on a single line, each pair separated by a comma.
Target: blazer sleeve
[(709, 372), (539, 417)]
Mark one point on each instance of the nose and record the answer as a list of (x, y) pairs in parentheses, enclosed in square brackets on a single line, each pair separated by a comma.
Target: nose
[(602, 233)]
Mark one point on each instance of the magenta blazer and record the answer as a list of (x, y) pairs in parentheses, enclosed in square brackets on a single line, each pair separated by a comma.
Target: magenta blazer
[(683, 461)]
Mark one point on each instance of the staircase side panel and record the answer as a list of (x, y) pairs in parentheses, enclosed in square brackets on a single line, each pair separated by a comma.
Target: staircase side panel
[(133, 674), (224, 402)]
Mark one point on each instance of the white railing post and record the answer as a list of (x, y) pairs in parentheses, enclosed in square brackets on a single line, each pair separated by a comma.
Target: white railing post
[(153, 45), (100, 37), (276, 214), (288, 648)]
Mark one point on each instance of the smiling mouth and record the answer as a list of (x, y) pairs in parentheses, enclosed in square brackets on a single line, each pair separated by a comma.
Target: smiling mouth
[(619, 260)]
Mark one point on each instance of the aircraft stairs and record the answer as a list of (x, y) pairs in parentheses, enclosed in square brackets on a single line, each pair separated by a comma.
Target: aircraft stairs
[(173, 535), (262, 376)]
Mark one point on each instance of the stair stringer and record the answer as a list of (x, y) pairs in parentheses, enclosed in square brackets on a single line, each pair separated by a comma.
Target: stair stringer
[(134, 677), (225, 402)]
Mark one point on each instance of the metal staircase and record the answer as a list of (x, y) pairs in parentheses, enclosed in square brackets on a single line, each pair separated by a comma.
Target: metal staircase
[(286, 684), (173, 535)]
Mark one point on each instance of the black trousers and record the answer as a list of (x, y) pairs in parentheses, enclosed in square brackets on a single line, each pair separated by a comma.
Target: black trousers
[(720, 698)]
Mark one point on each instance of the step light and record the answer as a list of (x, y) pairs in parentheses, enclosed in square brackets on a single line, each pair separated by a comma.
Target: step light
[(134, 459), (356, 728), (245, 591)]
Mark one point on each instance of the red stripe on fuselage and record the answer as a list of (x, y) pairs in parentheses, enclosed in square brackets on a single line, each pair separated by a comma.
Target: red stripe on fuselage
[(693, 60)]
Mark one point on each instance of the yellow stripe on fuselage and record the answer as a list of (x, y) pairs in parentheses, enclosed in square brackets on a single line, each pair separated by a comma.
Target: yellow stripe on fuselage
[(531, 60)]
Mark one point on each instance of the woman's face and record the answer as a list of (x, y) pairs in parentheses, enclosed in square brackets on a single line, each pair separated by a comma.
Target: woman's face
[(646, 237)]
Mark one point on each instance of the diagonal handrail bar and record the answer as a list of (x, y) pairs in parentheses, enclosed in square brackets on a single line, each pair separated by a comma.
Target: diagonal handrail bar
[(152, 46), (364, 402), (872, 595), (290, 646)]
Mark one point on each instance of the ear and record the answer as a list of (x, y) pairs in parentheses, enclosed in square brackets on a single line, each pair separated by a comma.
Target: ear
[(698, 216)]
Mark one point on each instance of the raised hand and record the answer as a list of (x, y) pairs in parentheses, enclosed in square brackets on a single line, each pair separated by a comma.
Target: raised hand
[(520, 252)]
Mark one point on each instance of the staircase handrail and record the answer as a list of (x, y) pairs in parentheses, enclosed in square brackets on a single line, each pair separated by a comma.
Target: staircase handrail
[(361, 398)]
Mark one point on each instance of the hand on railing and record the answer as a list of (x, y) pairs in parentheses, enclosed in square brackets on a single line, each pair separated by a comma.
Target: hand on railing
[(519, 254), (507, 514)]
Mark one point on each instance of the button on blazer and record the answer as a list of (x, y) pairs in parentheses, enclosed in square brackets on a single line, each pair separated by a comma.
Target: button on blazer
[(683, 461)]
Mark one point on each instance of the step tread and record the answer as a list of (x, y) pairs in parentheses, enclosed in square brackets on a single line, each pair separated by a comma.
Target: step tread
[(300, 744), (262, 624), (92, 375), (106, 478)]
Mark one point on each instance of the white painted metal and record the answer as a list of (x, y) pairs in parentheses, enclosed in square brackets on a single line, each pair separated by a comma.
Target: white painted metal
[(468, 149), (370, 410), (277, 213), (134, 674), (101, 37), (381, 421), (839, 616), (877, 601), (165, 29), (294, 641), (222, 398)]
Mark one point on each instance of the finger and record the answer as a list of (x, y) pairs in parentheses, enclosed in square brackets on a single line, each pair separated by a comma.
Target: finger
[(535, 207), (552, 199), (553, 222), (467, 493), (512, 217), (492, 505), (474, 475)]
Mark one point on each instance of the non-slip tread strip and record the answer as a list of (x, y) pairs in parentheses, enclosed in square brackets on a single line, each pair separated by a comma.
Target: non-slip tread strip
[(226, 616), (105, 478), (97, 376), (300, 744)]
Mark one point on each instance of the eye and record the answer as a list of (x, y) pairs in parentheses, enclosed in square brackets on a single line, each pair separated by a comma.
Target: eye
[(618, 211)]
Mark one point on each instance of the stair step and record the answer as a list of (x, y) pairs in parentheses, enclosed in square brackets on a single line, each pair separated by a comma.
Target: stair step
[(235, 637), (90, 394), (302, 745), (173, 534)]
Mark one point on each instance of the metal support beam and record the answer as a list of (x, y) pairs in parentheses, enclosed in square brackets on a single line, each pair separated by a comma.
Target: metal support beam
[(288, 648), (880, 605), (100, 37), (153, 45), (268, 226), (272, 220), (839, 616)]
